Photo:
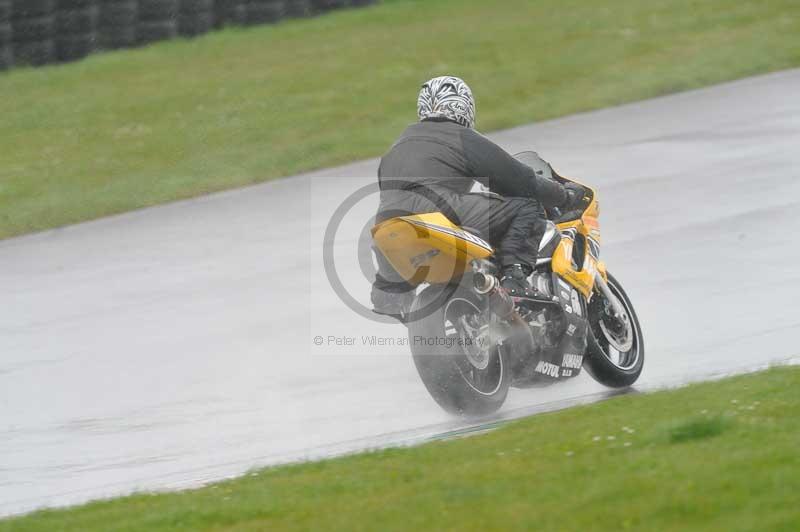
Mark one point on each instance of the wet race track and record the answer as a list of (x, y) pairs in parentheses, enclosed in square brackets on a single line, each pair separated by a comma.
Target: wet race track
[(175, 345)]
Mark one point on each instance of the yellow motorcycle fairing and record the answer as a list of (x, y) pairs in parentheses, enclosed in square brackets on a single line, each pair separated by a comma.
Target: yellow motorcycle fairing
[(580, 273), (428, 247)]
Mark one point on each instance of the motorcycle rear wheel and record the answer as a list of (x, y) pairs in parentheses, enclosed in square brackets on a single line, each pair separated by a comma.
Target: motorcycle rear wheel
[(462, 384), (607, 364)]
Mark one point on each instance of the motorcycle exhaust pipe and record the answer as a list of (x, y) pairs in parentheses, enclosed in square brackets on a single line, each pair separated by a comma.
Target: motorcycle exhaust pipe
[(500, 302), (487, 285), (484, 282)]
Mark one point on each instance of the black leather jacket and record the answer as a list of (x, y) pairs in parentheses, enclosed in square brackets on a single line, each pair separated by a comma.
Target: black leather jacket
[(441, 153)]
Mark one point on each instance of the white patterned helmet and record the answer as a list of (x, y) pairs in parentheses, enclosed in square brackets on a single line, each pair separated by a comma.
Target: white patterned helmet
[(447, 97)]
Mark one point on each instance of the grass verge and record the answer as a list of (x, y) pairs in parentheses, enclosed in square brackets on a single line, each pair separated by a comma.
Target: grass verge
[(134, 128), (713, 456)]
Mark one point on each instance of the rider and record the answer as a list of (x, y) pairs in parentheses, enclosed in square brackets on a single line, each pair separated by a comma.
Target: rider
[(433, 166)]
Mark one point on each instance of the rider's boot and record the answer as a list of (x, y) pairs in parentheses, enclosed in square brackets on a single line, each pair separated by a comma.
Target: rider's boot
[(515, 281)]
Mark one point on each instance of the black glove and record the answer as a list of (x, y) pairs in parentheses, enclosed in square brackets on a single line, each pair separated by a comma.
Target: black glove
[(575, 196)]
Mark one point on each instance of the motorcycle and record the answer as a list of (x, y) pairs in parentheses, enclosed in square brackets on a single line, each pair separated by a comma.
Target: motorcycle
[(471, 341)]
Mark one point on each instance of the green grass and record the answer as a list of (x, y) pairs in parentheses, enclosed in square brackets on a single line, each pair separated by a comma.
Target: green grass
[(134, 128), (713, 456)]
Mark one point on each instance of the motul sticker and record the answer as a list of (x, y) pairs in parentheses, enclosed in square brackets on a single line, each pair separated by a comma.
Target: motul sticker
[(546, 368)]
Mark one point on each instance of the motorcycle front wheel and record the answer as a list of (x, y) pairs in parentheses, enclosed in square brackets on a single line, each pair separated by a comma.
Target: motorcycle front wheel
[(615, 345), (463, 375)]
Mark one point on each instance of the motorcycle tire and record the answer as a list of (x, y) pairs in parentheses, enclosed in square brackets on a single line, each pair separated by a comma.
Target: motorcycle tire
[(456, 384), (605, 363)]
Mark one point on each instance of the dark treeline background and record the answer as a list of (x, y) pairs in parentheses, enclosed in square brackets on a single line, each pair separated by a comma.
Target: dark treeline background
[(39, 32)]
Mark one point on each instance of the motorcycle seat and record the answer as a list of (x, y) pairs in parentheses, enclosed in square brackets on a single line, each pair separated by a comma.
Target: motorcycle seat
[(473, 230), (546, 247)]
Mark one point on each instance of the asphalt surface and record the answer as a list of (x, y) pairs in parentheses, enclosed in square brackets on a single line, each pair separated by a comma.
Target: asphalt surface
[(176, 345)]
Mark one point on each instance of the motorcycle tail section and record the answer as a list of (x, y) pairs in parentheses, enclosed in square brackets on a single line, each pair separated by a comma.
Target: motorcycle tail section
[(428, 247)]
